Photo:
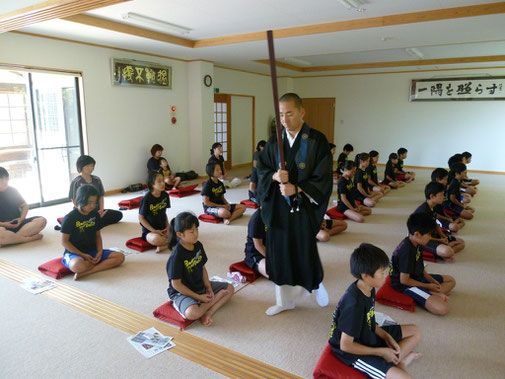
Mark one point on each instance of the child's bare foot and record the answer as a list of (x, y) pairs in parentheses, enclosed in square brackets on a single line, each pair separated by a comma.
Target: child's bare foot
[(226, 221), (76, 276), (412, 356), (159, 249), (449, 259), (206, 320), (38, 236), (443, 296)]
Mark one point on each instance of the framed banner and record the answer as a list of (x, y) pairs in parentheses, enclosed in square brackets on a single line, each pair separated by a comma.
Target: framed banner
[(126, 72), (478, 88)]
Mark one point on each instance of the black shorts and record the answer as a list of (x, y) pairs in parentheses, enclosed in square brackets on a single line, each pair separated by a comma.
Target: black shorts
[(25, 221), (254, 176), (341, 207), (252, 260), (431, 246), (373, 365), (359, 196)]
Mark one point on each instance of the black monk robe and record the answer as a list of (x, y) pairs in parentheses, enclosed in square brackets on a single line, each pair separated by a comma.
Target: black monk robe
[(292, 257)]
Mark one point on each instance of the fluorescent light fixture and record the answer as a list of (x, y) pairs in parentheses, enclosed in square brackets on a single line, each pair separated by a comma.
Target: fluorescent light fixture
[(158, 23), (414, 52), (297, 62), (354, 4)]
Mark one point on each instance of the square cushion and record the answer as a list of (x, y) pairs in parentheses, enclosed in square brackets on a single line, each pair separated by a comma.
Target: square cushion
[(330, 367), (388, 296), (167, 313), (429, 256), (334, 214), (184, 191), (210, 218), (131, 203), (60, 220), (400, 177), (139, 244), (249, 204), (55, 268), (245, 270)]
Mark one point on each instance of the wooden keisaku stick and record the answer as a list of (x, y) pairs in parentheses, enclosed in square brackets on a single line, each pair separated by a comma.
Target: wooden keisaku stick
[(273, 74)]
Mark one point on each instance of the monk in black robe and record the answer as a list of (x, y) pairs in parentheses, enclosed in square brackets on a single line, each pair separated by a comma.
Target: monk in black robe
[(293, 203)]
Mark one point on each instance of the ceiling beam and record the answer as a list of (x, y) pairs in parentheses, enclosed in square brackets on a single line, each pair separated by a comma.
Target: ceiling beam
[(363, 23), (419, 62), (128, 29), (48, 10)]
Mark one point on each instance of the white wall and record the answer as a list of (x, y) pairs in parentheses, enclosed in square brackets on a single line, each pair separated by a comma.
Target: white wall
[(242, 83), (373, 112), (122, 123), (241, 130)]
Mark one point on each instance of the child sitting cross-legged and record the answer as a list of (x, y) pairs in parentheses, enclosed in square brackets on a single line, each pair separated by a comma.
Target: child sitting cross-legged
[(81, 238), (355, 338), (214, 202), (329, 228), (192, 294), (440, 175), (346, 203), (407, 268), (454, 203)]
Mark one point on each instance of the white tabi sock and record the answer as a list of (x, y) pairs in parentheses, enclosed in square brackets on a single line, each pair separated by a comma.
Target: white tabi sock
[(282, 299), (321, 295)]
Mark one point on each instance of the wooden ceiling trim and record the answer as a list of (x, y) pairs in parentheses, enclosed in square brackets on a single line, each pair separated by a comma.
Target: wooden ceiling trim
[(49, 10), (128, 29)]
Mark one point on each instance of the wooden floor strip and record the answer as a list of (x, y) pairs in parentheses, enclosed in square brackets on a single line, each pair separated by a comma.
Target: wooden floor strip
[(198, 350)]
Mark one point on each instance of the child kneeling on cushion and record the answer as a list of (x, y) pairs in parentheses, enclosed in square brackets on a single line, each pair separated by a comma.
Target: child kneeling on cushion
[(81, 237), (355, 338), (214, 202), (191, 292), (255, 250), (408, 275)]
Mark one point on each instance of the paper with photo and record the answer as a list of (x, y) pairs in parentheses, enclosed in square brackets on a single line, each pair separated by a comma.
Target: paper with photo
[(150, 342), (37, 285), (236, 285)]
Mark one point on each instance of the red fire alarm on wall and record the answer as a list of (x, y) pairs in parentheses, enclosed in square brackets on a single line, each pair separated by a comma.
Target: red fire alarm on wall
[(172, 113)]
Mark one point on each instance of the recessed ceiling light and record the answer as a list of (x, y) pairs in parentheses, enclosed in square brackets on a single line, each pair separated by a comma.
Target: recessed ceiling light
[(414, 52), (354, 4), (297, 61), (173, 28)]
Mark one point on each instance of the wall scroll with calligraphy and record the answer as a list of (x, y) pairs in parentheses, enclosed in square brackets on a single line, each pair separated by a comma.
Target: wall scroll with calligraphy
[(127, 72), (479, 88)]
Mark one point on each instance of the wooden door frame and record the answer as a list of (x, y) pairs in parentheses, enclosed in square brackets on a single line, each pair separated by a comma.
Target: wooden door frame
[(225, 98), (332, 137), (228, 116)]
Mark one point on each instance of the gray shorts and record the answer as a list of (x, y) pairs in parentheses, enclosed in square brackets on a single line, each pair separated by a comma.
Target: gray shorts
[(182, 302)]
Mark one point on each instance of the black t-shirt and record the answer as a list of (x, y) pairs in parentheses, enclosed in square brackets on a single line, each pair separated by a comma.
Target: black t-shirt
[(354, 316), (425, 208), (371, 170), (215, 191), (154, 209), (450, 176), (341, 160), (153, 164), (10, 204), (255, 229), (361, 177), (80, 181), (389, 171), (219, 161), (346, 187), (454, 189), (187, 265), (406, 259), (399, 165), (82, 229)]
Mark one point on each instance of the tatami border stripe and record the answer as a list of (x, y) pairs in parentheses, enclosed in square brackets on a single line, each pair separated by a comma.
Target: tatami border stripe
[(200, 351)]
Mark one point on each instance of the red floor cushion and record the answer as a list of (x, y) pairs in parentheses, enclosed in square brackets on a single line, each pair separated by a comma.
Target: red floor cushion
[(400, 177), (139, 244), (334, 214), (250, 204), (429, 256), (388, 296), (167, 313), (330, 367), (245, 270), (184, 191), (60, 220), (55, 268), (210, 218), (130, 203)]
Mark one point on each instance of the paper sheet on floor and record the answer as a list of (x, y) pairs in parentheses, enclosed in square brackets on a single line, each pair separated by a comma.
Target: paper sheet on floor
[(150, 342), (37, 285), (236, 285)]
